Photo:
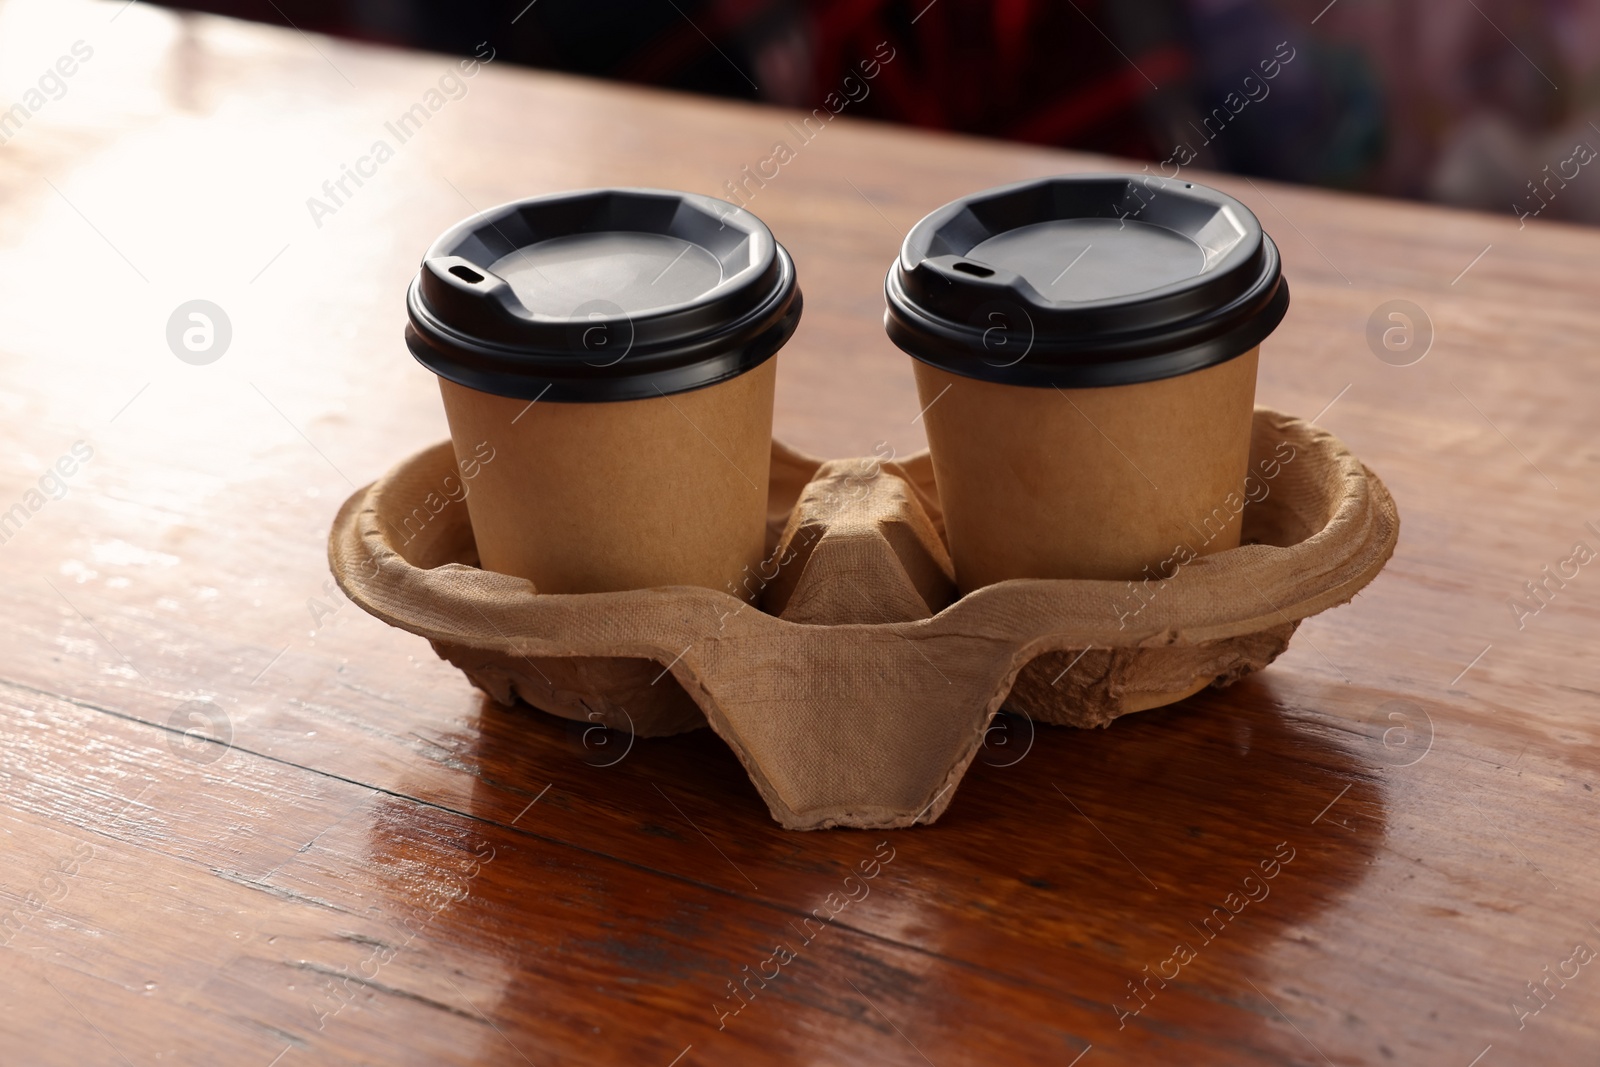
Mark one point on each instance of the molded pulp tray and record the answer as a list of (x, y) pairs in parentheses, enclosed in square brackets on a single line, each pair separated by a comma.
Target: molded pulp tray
[(857, 693)]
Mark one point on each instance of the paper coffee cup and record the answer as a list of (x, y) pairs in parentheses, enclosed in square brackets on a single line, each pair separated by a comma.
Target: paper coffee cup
[(610, 352), (1085, 351)]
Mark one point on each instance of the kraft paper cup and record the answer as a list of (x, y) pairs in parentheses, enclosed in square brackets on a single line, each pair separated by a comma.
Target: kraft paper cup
[(605, 361), (1085, 352)]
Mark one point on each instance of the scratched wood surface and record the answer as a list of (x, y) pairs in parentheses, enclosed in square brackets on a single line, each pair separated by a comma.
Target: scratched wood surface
[(245, 823)]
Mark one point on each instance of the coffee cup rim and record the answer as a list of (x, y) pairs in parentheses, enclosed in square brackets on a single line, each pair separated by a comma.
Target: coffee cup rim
[(974, 317), (470, 325)]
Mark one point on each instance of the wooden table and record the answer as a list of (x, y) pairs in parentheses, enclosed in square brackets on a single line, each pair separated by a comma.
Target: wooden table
[(370, 863)]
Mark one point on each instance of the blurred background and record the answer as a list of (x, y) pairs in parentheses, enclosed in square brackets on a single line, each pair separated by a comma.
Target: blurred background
[(1490, 104)]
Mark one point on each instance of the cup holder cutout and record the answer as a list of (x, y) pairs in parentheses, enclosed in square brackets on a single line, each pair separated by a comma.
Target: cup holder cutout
[(860, 689)]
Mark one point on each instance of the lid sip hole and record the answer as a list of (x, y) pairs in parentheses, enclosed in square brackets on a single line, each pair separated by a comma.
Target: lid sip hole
[(466, 274), (972, 268)]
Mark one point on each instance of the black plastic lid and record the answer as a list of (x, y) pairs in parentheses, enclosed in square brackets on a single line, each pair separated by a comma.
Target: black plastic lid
[(1085, 280), (601, 295)]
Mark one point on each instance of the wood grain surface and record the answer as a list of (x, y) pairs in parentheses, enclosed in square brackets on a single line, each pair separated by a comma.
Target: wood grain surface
[(245, 823)]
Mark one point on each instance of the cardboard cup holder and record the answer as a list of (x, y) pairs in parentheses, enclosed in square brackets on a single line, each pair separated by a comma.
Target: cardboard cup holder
[(856, 688)]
